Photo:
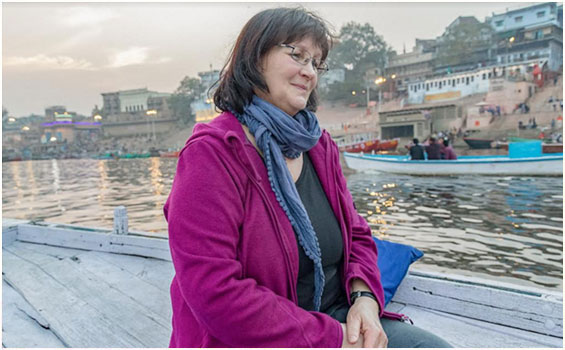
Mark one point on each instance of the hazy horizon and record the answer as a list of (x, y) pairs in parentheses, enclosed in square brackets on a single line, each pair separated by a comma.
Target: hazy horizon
[(69, 53)]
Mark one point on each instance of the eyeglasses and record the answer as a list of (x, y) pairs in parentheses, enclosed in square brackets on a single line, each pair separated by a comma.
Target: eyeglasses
[(304, 57)]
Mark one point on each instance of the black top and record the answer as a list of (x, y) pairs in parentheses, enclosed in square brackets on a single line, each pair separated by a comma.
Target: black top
[(417, 152), (330, 238)]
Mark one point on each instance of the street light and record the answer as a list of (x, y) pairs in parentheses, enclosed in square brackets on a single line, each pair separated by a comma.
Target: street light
[(353, 92), (379, 81), (152, 112), (98, 117), (53, 139), (11, 119), (25, 128)]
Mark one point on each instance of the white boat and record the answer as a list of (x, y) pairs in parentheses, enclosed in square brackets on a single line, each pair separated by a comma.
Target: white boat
[(71, 286), (548, 165)]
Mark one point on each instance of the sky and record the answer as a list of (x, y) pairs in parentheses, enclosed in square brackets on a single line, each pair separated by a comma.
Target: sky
[(69, 53)]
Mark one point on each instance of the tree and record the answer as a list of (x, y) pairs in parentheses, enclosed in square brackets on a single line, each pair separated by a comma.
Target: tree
[(189, 90), (464, 41), (359, 49)]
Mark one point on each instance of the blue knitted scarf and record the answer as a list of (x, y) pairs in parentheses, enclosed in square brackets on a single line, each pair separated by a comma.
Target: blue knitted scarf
[(279, 135)]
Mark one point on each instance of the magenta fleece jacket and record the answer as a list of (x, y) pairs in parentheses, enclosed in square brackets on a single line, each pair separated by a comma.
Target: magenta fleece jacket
[(235, 252)]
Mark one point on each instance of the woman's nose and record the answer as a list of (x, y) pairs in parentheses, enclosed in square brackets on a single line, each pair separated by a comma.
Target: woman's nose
[(309, 70)]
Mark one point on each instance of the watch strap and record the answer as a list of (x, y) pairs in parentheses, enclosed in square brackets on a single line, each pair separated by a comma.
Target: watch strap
[(354, 295)]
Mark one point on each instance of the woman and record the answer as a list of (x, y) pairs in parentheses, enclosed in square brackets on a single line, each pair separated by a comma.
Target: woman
[(267, 246)]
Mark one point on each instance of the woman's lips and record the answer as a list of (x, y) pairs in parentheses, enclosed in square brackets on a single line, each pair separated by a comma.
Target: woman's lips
[(300, 86)]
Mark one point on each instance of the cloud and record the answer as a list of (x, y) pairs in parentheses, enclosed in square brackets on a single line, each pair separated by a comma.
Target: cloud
[(42, 61), (131, 56), (86, 16), (134, 56)]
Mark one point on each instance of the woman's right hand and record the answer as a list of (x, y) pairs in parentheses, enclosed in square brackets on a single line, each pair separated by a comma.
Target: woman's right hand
[(346, 343)]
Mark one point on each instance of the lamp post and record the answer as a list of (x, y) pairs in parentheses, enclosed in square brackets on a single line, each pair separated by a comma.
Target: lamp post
[(508, 45), (150, 113), (378, 82)]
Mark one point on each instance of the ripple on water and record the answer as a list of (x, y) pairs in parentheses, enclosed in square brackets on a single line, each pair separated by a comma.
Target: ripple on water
[(466, 206), (542, 227), (532, 215), (471, 220), (432, 210)]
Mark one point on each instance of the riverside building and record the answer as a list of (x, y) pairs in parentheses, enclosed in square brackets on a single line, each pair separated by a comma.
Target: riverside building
[(136, 112)]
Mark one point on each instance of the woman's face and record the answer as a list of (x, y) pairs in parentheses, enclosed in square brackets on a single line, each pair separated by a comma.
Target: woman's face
[(290, 83)]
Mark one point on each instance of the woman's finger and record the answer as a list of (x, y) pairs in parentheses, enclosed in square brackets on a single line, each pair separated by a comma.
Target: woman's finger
[(353, 325)]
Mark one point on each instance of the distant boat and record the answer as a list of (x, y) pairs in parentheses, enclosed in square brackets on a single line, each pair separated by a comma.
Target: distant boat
[(475, 143), (172, 154), (370, 145), (546, 147), (550, 165)]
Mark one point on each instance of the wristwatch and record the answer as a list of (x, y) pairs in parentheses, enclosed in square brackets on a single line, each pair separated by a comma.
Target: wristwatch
[(354, 295)]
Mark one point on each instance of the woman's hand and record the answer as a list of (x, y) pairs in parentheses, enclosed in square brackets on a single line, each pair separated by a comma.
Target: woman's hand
[(346, 344), (364, 326)]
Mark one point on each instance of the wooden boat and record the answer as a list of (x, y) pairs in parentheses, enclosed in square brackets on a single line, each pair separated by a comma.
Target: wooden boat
[(546, 147), (388, 145), (172, 154), (549, 165), (369, 146), (72, 286), (363, 146), (475, 143)]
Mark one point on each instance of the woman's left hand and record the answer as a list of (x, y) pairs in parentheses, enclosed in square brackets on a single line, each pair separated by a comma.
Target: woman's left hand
[(363, 318)]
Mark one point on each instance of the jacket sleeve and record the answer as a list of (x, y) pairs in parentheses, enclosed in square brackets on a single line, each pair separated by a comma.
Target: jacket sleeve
[(204, 213), (363, 250)]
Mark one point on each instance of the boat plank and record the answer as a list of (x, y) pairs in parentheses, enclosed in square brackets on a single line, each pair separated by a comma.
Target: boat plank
[(41, 254), (158, 273), (22, 325), (132, 284), (88, 240), (463, 332), (538, 314), (81, 309)]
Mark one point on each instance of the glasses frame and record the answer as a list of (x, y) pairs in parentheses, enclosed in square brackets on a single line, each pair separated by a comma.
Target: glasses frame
[(320, 69)]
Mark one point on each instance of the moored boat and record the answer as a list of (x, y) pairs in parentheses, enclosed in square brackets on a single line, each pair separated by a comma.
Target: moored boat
[(370, 146), (546, 147), (167, 154), (388, 145), (475, 143)]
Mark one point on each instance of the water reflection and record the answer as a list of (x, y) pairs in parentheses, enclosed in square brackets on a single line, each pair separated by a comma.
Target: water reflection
[(503, 227), (507, 228)]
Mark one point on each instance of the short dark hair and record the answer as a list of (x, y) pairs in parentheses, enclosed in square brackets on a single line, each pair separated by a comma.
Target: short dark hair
[(262, 32), (416, 141), (432, 139), (445, 142)]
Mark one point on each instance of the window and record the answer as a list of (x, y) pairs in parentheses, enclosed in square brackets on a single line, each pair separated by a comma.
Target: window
[(540, 14), (427, 86), (440, 84), (518, 19), (499, 23), (484, 76), (472, 78), (489, 75), (457, 80)]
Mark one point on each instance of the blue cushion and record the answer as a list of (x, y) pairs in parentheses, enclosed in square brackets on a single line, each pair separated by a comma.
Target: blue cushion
[(393, 261)]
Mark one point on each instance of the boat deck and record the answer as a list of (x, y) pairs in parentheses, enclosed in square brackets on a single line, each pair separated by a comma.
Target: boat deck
[(65, 297)]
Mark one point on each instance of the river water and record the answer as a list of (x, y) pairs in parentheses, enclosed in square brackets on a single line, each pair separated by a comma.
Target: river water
[(501, 228)]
